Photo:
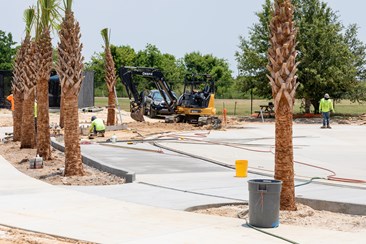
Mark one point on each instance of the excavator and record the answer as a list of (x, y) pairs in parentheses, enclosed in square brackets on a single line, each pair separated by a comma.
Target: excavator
[(196, 105)]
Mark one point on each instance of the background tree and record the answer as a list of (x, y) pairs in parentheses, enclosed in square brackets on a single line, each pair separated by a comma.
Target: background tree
[(174, 69), (69, 68), (218, 68), (7, 50), (49, 17), (122, 55), (252, 57), (327, 60), (110, 77), (18, 75), (358, 49), (283, 67)]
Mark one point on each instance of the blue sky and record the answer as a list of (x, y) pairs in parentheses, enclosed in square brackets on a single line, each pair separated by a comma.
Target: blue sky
[(174, 26)]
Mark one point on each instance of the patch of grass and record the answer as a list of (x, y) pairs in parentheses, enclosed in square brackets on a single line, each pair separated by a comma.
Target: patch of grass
[(244, 107), (124, 103)]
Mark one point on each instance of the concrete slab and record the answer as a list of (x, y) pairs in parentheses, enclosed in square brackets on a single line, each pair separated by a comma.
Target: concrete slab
[(54, 210), (144, 211), (191, 176)]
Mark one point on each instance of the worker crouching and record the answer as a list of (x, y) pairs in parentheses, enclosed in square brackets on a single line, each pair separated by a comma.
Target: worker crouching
[(97, 127)]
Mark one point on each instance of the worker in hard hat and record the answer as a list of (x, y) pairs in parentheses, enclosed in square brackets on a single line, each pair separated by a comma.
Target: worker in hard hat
[(97, 126), (325, 107)]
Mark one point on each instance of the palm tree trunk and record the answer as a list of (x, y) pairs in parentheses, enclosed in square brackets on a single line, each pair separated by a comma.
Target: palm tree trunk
[(73, 162), (43, 131), (284, 167), (28, 129), (62, 124), (282, 67), (45, 65), (70, 67), (111, 108), (17, 116), (28, 133)]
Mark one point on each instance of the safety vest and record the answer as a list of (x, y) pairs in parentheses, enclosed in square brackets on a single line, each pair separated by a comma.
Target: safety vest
[(326, 105)]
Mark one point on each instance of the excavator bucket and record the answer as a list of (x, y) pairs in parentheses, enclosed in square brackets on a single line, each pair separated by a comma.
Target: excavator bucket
[(137, 113)]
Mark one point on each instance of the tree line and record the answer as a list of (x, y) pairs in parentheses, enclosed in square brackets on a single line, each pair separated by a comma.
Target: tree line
[(332, 59), (174, 69)]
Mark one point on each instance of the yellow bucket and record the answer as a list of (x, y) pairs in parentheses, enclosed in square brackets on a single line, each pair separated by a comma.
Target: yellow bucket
[(241, 167)]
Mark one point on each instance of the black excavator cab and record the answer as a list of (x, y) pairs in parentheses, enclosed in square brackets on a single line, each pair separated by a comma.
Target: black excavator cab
[(136, 99)]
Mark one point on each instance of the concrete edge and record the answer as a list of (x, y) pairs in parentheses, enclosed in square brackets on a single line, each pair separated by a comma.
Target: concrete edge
[(214, 205), (95, 163), (336, 207)]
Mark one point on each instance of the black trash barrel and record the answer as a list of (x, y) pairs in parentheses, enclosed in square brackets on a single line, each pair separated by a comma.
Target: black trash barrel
[(264, 202)]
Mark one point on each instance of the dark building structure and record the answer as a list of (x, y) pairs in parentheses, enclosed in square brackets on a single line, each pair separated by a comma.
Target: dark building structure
[(86, 95), (5, 87)]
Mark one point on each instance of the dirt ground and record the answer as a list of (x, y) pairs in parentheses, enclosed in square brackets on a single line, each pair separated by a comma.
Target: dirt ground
[(16, 236), (52, 172), (304, 216)]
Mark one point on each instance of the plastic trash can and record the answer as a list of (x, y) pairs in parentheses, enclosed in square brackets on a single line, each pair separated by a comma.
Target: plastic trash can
[(264, 202)]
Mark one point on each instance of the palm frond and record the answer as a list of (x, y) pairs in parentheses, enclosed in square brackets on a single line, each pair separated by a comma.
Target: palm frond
[(29, 17), (68, 5), (105, 35), (50, 16)]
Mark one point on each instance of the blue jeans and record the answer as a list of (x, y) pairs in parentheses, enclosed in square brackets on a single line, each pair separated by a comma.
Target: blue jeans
[(326, 116)]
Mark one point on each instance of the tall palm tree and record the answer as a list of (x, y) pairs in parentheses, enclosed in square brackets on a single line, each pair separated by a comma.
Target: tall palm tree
[(70, 69), (110, 77), (28, 80), (18, 74), (282, 67), (48, 17)]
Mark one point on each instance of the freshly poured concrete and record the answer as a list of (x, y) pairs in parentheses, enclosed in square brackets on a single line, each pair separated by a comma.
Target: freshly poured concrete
[(143, 212)]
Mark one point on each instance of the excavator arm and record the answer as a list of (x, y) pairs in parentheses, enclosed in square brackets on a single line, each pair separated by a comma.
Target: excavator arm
[(126, 74)]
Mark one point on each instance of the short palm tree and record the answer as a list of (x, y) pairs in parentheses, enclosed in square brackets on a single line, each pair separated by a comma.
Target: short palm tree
[(282, 67), (18, 74), (70, 69), (48, 16), (28, 77), (110, 77)]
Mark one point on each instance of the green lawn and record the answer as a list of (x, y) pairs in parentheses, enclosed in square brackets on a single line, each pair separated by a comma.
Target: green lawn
[(242, 107)]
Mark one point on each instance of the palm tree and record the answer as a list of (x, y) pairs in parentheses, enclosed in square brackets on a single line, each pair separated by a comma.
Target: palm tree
[(282, 67), (28, 80), (110, 77), (70, 69), (48, 15), (18, 74)]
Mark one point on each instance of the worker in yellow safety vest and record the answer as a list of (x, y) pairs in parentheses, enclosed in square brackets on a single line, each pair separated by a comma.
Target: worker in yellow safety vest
[(325, 107), (97, 126)]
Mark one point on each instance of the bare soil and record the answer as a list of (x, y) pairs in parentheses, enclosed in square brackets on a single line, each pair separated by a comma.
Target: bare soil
[(304, 216), (52, 172), (17, 236)]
